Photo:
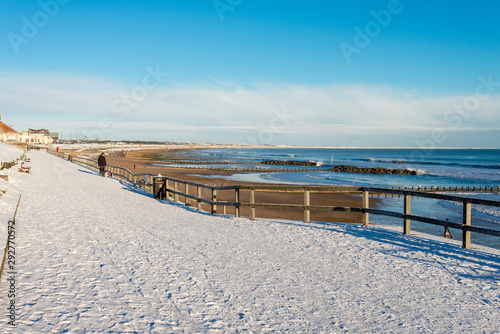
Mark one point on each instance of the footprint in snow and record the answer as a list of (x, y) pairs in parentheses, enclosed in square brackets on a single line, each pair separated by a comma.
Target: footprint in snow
[(36, 316)]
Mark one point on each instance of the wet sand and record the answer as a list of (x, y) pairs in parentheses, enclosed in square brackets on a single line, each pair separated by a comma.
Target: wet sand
[(136, 163)]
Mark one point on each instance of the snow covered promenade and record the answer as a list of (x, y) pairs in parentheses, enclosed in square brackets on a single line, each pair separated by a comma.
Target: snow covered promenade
[(96, 255)]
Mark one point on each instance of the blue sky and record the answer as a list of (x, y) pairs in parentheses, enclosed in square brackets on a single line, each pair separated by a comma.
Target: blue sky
[(366, 73)]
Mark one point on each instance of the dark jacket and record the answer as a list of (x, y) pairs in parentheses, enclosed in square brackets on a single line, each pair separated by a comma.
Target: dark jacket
[(101, 161)]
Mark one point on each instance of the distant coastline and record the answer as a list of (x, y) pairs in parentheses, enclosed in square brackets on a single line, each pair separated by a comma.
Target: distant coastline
[(125, 145)]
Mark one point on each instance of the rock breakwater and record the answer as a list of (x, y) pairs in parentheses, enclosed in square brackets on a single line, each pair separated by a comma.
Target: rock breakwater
[(288, 163), (343, 168), (373, 170)]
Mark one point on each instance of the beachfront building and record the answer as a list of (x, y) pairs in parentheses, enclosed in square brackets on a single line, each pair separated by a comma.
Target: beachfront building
[(9, 135), (40, 136)]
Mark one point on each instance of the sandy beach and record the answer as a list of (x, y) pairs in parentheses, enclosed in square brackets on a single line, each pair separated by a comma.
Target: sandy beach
[(136, 162)]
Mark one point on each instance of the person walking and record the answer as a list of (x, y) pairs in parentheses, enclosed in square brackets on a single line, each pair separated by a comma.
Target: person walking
[(101, 162)]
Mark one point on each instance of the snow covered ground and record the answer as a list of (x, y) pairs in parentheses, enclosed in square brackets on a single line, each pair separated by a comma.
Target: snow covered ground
[(9, 153), (96, 255)]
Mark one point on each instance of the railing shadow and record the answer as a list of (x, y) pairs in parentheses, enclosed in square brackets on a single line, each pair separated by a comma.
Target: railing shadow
[(140, 191), (483, 265), (87, 172)]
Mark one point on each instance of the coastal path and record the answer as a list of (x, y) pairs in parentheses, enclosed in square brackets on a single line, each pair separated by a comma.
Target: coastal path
[(94, 254)]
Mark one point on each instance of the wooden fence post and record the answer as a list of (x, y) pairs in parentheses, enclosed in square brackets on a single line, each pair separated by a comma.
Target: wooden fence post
[(407, 210), (186, 199), (237, 199), (307, 202), (466, 221), (252, 206), (198, 194), (366, 205), (176, 197), (214, 198)]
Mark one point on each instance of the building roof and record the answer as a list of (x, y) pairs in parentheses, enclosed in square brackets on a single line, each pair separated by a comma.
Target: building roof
[(4, 128), (38, 130)]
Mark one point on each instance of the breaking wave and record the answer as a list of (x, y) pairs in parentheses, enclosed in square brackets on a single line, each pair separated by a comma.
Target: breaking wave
[(433, 163)]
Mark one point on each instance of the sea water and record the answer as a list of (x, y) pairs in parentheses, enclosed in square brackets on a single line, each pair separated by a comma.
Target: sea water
[(434, 167)]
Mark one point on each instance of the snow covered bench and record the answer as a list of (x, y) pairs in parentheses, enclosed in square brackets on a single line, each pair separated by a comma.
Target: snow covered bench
[(24, 169)]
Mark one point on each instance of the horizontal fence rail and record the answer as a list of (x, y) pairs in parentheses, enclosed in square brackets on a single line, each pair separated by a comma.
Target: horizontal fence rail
[(466, 202), (197, 194)]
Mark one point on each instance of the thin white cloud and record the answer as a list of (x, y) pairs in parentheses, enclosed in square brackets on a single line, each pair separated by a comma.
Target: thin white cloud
[(90, 104), (55, 94)]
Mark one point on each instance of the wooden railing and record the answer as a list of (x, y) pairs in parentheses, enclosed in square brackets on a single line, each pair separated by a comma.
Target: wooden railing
[(164, 187), (466, 202)]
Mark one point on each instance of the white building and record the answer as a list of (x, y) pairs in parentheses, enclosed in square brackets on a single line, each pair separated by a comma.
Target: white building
[(8, 134)]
